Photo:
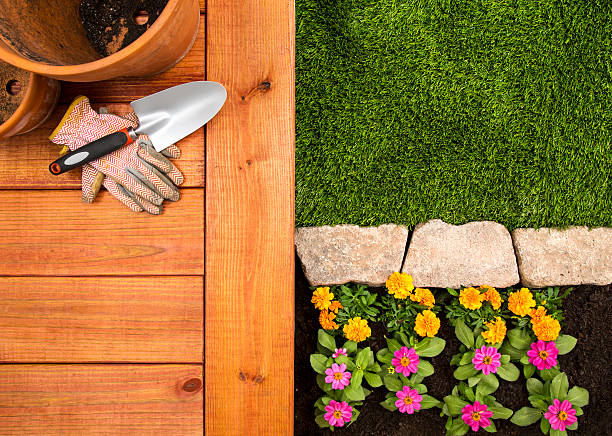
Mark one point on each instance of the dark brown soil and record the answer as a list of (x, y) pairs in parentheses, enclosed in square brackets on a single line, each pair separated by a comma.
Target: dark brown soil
[(588, 317), (13, 85), (114, 24)]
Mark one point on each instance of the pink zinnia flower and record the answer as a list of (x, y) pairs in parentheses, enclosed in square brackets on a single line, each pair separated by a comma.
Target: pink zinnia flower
[(409, 400), (476, 415), (543, 355), (405, 361), (337, 376), (339, 352), (338, 413), (560, 414), (486, 359)]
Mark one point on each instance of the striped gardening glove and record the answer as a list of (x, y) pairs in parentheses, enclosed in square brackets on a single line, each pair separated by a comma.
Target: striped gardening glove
[(136, 174)]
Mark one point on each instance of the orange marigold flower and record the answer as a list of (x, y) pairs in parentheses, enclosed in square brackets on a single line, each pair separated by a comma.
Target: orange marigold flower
[(537, 314), (322, 298), (471, 298), (547, 329), (427, 324), (496, 332), (399, 285), (424, 297), (491, 295), (521, 302), (357, 329), (326, 319), (335, 306)]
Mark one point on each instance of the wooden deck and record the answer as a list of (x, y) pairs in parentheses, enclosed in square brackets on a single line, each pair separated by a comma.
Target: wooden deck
[(102, 326)]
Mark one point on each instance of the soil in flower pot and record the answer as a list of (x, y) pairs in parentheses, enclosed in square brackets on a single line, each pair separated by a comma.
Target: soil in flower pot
[(13, 85), (114, 24), (586, 317)]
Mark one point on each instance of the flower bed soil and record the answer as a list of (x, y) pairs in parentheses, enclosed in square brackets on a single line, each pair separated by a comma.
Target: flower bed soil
[(588, 318), (111, 25)]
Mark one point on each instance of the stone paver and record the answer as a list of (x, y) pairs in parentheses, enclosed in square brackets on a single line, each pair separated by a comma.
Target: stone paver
[(472, 254), (573, 256), (347, 253)]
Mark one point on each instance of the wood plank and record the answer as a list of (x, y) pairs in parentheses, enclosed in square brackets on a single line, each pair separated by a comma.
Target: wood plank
[(100, 400), (249, 220), (25, 159), (52, 233), (127, 89), (202, 6), (101, 319)]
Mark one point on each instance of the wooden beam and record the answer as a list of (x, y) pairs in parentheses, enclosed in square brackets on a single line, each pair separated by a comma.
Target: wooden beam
[(249, 220), (101, 319), (83, 400), (52, 233)]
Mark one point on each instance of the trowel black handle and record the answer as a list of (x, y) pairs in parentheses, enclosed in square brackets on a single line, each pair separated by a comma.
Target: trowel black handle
[(92, 151)]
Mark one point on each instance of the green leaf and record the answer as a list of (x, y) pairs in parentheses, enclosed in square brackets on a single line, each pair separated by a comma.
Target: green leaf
[(384, 356), (500, 412), (535, 386), (389, 404), (362, 358), (317, 361), (574, 426), (519, 339), (351, 347), (456, 359), (393, 345), (508, 372), (526, 416), (565, 343), (558, 386), (403, 340), (373, 380), (355, 416), (425, 368), (435, 347), (549, 374), (487, 385), (327, 341), (320, 420), (392, 383), (322, 385), (356, 378), (490, 428), (452, 292), (354, 393), (473, 381), (528, 371), (457, 428), (578, 396), (454, 404), (428, 402), (464, 334), (505, 358), (479, 341), (579, 411), (469, 394), (558, 433), (544, 425), (514, 353), (466, 358), (465, 372), (538, 402)]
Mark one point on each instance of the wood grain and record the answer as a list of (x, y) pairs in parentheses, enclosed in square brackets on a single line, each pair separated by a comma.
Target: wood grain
[(97, 400), (52, 233), (101, 319), (25, 159), (249, 220), (127, 89)]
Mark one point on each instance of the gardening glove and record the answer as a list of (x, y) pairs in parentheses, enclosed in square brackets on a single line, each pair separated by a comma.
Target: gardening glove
[(136, 174)]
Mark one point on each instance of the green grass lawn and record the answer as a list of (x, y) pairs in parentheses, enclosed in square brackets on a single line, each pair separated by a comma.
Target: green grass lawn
[(459, 110)]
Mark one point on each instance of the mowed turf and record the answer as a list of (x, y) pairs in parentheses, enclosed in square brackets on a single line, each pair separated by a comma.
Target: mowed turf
[(459, 110)]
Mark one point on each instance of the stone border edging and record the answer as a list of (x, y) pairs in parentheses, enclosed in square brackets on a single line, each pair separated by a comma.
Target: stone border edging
[(444, 255)]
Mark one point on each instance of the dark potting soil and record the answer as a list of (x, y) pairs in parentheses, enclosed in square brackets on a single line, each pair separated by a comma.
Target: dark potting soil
[(588, 318), (114, 24), (13, 85)]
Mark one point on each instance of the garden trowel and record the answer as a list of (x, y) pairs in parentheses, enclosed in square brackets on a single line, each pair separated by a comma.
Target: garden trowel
[(165, 116)]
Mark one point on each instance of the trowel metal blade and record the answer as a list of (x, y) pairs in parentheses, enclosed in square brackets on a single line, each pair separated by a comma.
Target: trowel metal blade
[(170, 115)]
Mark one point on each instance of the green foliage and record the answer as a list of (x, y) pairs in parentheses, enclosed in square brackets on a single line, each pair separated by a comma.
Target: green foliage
[(356, 300), (400, 315), (407, 111)]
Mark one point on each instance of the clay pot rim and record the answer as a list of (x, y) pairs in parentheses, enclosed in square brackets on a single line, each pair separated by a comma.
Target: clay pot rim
[(10, 56), (21, 110)]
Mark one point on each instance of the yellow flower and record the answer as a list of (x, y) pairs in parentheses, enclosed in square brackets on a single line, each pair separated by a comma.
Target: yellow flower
[(322, 298), (357, 329), (391, 369), (335, 306), (520, 302), (492, 296), (547, 329), (400, 285), (496, 332), (427, 324), (471, 298), (326, 319), (537, 314), (424, 297)]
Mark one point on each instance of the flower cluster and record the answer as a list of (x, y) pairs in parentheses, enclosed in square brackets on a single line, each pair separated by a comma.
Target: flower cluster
[(323, 300)]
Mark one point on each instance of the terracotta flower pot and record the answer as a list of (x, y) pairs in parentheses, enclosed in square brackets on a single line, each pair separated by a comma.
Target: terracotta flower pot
[(31, 99), (49, 39)]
